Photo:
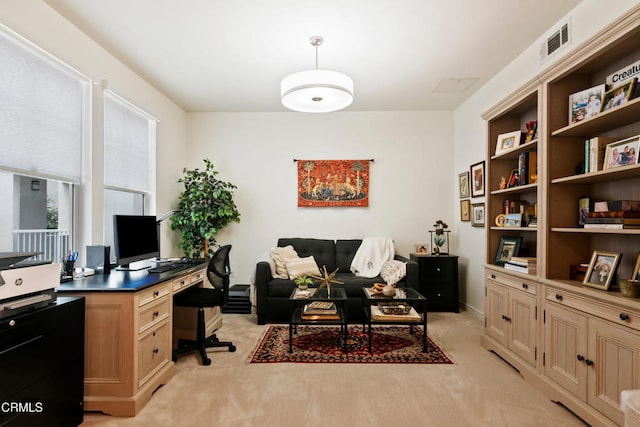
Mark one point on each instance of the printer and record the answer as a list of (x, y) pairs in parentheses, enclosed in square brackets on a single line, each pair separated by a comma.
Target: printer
[(26, 284)]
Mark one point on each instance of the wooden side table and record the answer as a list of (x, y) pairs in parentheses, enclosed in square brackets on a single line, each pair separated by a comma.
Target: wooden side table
[(439, 281)]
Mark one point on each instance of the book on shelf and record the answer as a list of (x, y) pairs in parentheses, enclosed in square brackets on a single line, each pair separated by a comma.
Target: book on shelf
[(597, 149), (613, 226), (587, 156), (524, 260), (614, 214), (519, 268), (514, 206), (617, 205), (523, 168), (628, 221)]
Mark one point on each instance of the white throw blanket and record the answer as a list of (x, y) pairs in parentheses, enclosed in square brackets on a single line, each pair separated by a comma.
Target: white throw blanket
[(371, 255)]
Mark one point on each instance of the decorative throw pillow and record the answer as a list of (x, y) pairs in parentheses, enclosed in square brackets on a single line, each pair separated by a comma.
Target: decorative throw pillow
[(280, 257), (392, 271), (302, 267)]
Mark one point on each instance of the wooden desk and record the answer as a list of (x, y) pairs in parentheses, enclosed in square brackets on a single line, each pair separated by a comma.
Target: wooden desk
[(130, 323)]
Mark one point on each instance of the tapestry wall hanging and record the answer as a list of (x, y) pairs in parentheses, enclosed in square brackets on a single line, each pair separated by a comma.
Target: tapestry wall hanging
[(333, 183)]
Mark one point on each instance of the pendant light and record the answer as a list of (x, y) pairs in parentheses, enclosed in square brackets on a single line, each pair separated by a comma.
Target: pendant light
[(316, 91)]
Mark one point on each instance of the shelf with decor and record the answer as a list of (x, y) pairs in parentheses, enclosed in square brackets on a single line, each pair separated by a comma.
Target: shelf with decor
[(586, 330), (512, 173)]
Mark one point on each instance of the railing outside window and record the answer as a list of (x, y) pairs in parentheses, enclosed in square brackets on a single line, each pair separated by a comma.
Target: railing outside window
[(54, 244)]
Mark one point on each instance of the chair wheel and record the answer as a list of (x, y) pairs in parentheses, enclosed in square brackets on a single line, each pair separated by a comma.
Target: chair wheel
[(232, 348), (206, 362)]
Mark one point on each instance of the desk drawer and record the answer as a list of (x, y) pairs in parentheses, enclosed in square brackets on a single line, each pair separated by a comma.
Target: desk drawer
[(153, 294), (198, 276), (181, 283), (619, 315), (525, 285), (153, 352), (153, 314)]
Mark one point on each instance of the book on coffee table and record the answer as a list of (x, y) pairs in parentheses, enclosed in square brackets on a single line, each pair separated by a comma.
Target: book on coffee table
[(377, 314)]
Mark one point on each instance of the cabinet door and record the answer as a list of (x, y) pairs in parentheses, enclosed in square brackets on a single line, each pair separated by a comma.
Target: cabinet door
[(496, 309), (566, 349), (522, 325), (615, 353)]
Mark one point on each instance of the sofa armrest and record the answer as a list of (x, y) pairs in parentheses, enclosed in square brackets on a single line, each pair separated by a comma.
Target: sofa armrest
[(413, 274), (263, 277)]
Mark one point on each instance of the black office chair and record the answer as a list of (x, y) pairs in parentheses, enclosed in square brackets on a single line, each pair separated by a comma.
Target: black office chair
[(218, 274)]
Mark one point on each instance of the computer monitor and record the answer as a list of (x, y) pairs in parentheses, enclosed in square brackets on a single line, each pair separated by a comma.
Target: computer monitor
[(135, 239)]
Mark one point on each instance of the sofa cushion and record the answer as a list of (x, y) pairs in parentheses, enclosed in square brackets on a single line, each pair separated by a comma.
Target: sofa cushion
[(393, 271), (345, 251), (297, 267), (280, 256), (323, 250)]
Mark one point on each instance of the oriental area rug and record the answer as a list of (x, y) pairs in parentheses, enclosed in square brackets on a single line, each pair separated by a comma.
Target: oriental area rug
[(317, 344)]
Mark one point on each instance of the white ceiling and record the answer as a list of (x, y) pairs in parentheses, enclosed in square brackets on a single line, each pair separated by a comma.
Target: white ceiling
[(216, 55)]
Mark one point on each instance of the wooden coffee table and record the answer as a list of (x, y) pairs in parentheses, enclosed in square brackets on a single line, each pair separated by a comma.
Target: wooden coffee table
[(418, 316)]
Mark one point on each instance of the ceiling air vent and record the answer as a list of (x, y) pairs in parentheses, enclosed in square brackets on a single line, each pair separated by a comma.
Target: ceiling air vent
[(555, 41)]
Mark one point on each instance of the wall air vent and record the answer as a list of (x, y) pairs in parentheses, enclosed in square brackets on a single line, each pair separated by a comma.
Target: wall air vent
[(555, 41)]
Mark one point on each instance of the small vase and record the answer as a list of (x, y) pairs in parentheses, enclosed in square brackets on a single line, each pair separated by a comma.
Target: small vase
[(303, 286)]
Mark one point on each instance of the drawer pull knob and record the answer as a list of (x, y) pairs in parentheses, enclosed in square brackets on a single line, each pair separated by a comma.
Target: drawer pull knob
[(12, 322), (581, 358), (624, 316), (493, 276), (438, 269), (156, 293), (589, 362), (156, 314), (155, 351), (559, 297), (525, 286)]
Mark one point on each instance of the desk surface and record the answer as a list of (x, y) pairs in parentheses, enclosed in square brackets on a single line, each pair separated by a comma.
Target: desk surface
[(124, 281)]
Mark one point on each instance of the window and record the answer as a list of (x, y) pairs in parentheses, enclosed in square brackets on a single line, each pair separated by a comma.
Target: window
[(129, 141), (44, 111)]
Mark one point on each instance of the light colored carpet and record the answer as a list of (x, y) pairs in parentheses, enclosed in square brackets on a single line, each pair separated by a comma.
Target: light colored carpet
[(480, 389)]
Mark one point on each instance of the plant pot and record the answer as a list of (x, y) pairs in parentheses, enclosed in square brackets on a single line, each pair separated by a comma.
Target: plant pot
[(630, 288)]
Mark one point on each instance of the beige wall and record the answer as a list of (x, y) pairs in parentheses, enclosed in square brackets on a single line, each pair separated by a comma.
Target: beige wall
[(410, 178)]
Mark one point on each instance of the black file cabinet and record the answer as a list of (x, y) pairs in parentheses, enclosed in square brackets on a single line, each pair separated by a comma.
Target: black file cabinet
[(42, 365), (439, 281)]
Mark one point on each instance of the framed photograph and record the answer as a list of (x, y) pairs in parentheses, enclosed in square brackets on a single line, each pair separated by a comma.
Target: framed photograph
[(477, 179), (508, 141), (585, 104), (465, 210), (463, 184), (500, 220), (601, 270), (619, 95), (584, 206), (477, 215), (622, 153), (507, 248), (513, 220), (421, 248), (636, 270)]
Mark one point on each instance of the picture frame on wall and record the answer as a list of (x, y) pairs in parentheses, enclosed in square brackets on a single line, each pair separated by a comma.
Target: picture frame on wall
[(477, 215), (477, 176), (463, 185), (465, 210), (622, 153), (602, 268), (507, 248), (508, 141), (586, 103)]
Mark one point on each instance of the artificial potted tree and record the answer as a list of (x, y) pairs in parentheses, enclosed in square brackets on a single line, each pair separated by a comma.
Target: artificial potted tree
[(205, 207)]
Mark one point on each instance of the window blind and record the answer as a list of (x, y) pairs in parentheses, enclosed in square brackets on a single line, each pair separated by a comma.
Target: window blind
[(127, 143), (41, 111)]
